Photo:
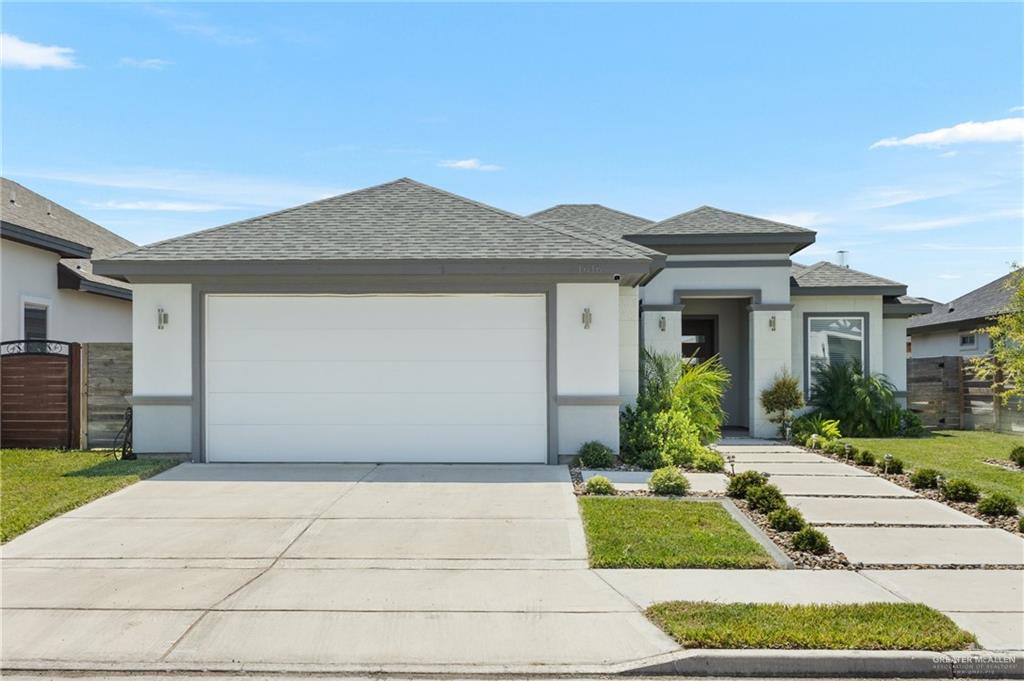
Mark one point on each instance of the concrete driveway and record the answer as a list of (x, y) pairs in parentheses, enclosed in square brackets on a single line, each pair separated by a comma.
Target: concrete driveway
[(354, 567)]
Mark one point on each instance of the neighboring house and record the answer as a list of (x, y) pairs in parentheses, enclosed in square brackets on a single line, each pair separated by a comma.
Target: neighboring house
[(404, 323), (49, 290), (954, 328)]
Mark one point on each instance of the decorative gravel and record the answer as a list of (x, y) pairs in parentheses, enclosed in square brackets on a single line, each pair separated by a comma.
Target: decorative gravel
[(1008, 523), (1005, 464), (833, 560)]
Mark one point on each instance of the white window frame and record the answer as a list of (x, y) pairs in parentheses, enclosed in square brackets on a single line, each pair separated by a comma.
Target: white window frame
[(35, 302), (865, 326), (973, 345)]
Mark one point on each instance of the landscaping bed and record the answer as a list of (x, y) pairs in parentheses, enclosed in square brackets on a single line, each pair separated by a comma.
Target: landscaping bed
[(39, 484), (657, 532), (830, 560), (870, 626)]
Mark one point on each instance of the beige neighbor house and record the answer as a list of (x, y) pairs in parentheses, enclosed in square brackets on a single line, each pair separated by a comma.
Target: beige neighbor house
[(48, 289), (405, 323)]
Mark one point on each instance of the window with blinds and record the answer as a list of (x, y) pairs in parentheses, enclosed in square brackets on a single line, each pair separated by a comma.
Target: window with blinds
[(834, 340)]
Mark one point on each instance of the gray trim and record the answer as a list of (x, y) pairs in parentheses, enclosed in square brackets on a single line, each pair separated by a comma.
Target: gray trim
[(787, 263), (974, 324), (805, 238), (662, 308), (360, 286), (588, 400), (97, 288), (807, 355), (30, 237), (723, 249), (893, 310), (163, 400), (752, 293), (848, 290), (770, 307)]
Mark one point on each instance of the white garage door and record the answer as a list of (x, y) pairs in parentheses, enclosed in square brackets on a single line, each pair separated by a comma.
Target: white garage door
[(444, 378)]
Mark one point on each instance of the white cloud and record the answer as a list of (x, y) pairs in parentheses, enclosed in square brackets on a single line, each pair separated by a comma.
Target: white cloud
[(150, 64), (237, 190), (1002, 130), (949, 276), (196, 23), (957, 247), (887, 197), (801, 218), (953, 221), (469, 164), (168, 206), (1017, 108), (16, 53)]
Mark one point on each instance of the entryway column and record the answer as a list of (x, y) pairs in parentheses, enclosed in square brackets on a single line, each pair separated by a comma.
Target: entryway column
[(770, 353), (662, 329)]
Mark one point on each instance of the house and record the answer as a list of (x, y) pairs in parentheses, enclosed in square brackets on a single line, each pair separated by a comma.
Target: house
[(405, 323), (954, 329), (49, 288)]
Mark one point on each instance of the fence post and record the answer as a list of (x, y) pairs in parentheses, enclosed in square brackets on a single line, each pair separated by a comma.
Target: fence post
[(74, 396)]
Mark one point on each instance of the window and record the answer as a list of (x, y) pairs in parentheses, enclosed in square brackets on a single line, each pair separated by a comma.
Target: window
[(834, 340), (968, 341), (35, 322)]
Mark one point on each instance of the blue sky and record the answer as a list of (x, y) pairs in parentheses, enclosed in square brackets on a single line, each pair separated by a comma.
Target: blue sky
[(156, 120)]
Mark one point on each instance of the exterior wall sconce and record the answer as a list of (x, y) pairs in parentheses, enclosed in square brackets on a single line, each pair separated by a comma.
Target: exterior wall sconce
[(161, 318), (662, 324), (587, 318), (771, 322)]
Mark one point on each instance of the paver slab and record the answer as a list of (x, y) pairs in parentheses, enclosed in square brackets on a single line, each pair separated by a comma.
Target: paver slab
[(429, 590), (950, 590), (846, 486), (773, 456), (441, 538), (166, 538), (445, 638), (995, 630), (131, 588), (831, 468), (119, 636), (927, 545), (862, 511), (793, 587), (456, 500)]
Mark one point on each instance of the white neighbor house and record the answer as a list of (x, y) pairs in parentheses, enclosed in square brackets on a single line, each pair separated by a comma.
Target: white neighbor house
[(47, 287), (953, 329), (404, 323)]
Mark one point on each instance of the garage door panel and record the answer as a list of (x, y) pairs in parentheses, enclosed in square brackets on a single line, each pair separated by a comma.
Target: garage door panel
[(429, 409), (376, 312), (376, 378), (368, 377), (507, 444), (425, 345)]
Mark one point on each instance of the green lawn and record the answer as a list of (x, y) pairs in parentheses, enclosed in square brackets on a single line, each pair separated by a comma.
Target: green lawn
[(868, 626), (956, 454), (37, 484), (637, 532)]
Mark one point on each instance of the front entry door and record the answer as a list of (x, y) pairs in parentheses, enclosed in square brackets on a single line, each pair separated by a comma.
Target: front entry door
[(699, 342)]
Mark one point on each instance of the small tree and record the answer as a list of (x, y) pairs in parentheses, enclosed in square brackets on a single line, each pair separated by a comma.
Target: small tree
[(1004, 364), (782, 398)]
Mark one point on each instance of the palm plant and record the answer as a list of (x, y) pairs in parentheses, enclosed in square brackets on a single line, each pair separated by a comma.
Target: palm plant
[(865, 404), (699, 390)]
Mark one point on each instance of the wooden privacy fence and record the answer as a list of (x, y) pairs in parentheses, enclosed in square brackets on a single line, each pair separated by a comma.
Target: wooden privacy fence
[(946, 394), (63, 395), (40, 393)]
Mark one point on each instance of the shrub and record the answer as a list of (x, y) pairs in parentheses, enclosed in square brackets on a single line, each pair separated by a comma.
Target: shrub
[(811, 540), (699, 391), (893, 465), (814, 424), (652, 459), (709, 461), (958, 489), (1017, 456), (741, 482), (864, 403), (924, 478), (600, 485), (637, 432), (997, 503), (781, 398), (668, 481), (678, 436), (834, 447), (910, 424), (786, 520), (1020, 525), (593, 454), (865, 458), (765, 498)]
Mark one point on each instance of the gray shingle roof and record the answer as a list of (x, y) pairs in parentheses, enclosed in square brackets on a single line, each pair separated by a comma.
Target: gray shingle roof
[(710, 220), (828, 275), (402, 219), (970, 308), (25, 208), (594, 216)]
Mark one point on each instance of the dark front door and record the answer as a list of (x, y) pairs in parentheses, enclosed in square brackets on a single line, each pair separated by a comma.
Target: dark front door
[(699, 340)]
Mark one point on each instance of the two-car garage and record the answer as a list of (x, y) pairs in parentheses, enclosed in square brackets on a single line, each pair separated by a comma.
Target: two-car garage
[(415, 378)]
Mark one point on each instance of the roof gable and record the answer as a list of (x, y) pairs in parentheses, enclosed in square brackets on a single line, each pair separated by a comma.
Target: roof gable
[(402, 219), (824, 274), (711, 220), (972, 307), (594, 216)]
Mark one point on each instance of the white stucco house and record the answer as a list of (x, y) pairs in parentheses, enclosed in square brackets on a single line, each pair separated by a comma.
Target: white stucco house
[(954, 329), (405, 323), (48, 289)]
